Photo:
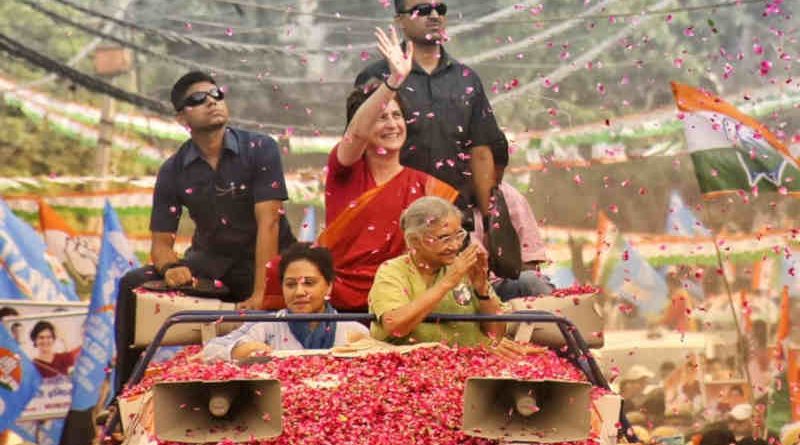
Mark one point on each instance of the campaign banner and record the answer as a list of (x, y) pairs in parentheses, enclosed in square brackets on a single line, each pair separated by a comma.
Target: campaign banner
[(18, 380), (51, 339)]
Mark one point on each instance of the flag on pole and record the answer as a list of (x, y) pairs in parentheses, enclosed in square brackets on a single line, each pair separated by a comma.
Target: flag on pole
[(790, 274), (562, 277), (607, 234), (64, 243), (764, 271), (634, 279), (116, 258), (308, 228), (730, 150), (785, 406), (19, 380), (680, 219), (22, 254)]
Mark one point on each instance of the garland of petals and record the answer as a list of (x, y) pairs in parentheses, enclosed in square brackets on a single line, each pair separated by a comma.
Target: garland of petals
[(382, 398)]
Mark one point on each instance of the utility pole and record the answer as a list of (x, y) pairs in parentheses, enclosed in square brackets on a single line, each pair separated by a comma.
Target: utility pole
[(109, 62)]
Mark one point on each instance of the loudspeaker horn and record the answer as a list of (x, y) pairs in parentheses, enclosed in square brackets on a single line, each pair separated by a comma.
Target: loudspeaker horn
[(543, 411), (208, 411)]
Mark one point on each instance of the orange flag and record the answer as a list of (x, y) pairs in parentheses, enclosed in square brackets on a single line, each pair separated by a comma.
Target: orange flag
[(64, 243), (785, 323)]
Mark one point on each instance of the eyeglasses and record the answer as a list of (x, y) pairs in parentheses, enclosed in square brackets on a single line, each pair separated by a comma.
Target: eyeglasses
[(426, 9), (199, 97), (453, 238)]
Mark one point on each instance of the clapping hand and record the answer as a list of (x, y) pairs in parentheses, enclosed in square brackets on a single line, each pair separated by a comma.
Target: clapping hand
[(400, 62), (479, 272), (462, 265)]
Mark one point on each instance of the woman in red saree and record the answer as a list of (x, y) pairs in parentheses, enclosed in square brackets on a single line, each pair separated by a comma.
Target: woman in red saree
[(367, 188)]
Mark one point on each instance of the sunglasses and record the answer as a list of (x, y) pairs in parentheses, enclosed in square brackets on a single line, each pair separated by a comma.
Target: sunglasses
[(426, 9), (199, 97)]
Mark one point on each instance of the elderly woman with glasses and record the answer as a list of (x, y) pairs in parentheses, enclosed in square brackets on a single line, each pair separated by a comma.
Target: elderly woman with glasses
[(436, 275)]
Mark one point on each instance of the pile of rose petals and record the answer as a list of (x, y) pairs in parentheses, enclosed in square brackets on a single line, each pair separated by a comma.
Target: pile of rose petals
[(381, 398), (575, 289)]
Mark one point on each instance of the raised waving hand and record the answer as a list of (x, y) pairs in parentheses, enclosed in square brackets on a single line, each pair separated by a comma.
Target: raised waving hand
[(400, 62)]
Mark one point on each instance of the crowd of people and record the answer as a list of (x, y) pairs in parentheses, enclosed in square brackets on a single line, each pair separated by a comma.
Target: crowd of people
[(663, 409)]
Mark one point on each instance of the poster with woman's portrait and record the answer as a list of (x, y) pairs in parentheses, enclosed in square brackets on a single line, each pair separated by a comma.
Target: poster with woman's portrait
[(51, 338), (722, 396)]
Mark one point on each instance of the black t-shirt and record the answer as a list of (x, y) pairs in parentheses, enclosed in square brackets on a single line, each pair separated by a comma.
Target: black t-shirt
[(447, 113), (221, 203)]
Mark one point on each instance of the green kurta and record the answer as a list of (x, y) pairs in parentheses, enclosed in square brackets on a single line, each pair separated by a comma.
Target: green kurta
[(398, 282)]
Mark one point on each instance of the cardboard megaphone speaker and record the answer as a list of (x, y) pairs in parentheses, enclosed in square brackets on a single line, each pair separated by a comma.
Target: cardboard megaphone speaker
[(543, 411), (582, 310), (208, 411), (153, 309)]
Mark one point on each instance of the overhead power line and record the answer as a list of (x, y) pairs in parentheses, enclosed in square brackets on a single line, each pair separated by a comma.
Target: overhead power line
[(517, 8), (623, 14), (204, 42), (19, 50), (566, 70), (534, 39), (253, 77), (293, 11)]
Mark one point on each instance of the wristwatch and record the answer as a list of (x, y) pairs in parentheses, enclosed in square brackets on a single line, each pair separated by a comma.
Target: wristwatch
[(482, 297)]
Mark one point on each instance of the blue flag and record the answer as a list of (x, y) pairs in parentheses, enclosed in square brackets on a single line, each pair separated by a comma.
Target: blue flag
[(40, 432), (19, 380), (116, 258), (23, 252), (308, 228), (790, 275), (681, 220), (634, 279), (563, 277)]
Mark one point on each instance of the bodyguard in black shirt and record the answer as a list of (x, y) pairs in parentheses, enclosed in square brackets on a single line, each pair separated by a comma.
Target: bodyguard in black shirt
[(452, 132), (232, 184)]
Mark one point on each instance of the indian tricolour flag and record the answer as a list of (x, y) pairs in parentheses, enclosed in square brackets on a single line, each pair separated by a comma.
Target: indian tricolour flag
[(730, 150)]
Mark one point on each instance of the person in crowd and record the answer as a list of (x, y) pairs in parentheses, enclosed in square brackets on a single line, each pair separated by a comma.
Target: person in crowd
[(750, 440), (16, 331), (436, 275), (367, 188), (641, 432), (48, 362), (8, 311), (666, 435), (231, 181), (16, 327), (717, 435), (632, 387), (307, 275), (665, 370), (716, 370), (532, 281), (452, 131), (790, 434), (740, 420)]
